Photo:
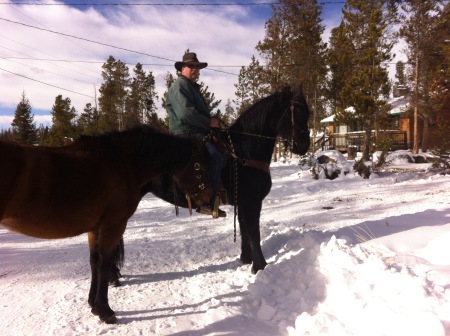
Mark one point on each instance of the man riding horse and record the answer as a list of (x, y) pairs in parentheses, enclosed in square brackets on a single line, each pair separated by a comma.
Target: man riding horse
[(189, 116)]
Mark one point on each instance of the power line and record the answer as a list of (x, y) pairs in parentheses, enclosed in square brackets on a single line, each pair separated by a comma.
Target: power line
[(84, 39), (103, 44), (270, 3), (46, 71), (145, 4), (35, 80), (41, 24), (36, 59)]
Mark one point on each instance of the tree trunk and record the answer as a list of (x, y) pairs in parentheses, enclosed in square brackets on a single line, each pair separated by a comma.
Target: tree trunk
[(366, 152), (416, 103), (425, 134)]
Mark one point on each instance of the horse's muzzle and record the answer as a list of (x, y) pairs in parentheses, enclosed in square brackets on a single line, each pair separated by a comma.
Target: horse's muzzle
[(301, 147)]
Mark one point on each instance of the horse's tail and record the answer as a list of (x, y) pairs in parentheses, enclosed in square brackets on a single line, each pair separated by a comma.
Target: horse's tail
[(119, 256)]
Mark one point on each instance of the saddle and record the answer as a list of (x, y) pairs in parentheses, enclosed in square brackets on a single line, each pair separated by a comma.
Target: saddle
[(226, 148)]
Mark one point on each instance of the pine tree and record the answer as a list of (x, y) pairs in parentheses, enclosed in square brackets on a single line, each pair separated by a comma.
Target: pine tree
[(210, 99), (63, 130), (295, 52), (113, 93), (42, 133), (439, 92), (400, 75), (419, 31), (367, 27), (229, 115), (23, 126), (293, 46), (169, 80), (141, 101), (6, 135), (340, 64), (87, 123), (400, 85), (252, 85)]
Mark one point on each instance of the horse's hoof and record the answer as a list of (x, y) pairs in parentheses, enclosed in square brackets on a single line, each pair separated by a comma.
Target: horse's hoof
[(112, 319), (115, 282), (255, 268), (109, 318), (246, 260)]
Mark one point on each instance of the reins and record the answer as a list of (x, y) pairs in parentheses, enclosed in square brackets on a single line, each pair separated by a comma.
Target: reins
[(236, 180)]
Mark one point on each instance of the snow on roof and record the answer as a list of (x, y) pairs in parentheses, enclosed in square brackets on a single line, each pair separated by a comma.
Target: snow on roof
[(398, 105), (328, 119)]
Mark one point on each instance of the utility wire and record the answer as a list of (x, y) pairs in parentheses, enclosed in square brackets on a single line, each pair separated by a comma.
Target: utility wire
[(270, 3), (85, 39), (35, 80), (46, 71), (104, 44), (39, 59), (144, 4), (39, 23)]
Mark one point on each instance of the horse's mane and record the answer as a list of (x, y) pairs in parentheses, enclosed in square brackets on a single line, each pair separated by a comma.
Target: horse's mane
[(143, 142), (111, 135), (256, 115)]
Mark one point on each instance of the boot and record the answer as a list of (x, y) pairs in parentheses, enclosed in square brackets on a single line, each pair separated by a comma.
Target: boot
[(212, 210)]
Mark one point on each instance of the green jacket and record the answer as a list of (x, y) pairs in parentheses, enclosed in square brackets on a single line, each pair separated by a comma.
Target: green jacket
[(187, 108)]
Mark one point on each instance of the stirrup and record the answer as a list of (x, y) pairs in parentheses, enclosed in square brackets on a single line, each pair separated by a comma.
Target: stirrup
[(208, 210)]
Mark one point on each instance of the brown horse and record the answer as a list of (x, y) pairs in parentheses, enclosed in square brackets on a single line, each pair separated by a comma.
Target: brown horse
[(93, 185)]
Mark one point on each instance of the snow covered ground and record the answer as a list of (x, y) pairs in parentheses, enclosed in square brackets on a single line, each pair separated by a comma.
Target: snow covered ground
[(347, 257)]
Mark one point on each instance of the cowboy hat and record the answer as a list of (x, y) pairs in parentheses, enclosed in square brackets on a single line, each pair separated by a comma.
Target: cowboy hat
[(190, 58)]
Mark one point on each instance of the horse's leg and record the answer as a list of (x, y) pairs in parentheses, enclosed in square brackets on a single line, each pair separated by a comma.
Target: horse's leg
[(102, 256), (94, 262), (248, 213), (246, 249)]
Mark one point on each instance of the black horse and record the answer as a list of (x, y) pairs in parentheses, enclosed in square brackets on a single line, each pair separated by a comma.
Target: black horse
[(246, 177)]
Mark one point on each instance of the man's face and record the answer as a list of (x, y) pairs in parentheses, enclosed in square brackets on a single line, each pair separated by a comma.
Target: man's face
[(191, 72)]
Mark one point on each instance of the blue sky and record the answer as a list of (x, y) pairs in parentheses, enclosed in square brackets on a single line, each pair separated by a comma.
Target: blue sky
[(40, 56)]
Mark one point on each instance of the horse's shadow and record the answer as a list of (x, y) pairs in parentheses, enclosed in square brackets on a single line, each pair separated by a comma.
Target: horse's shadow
[(138, 279), (173, 311)]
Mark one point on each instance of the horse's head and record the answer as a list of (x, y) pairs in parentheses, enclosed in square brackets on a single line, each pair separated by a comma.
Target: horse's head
[(194, 179), (293, 123)]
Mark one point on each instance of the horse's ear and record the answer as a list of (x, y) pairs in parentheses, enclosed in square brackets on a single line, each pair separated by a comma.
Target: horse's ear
[(298, 92), (286, 92)]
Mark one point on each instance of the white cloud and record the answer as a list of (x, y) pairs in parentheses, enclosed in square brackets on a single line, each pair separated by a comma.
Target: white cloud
[(44, 120), (219, 39), (5, 121)]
